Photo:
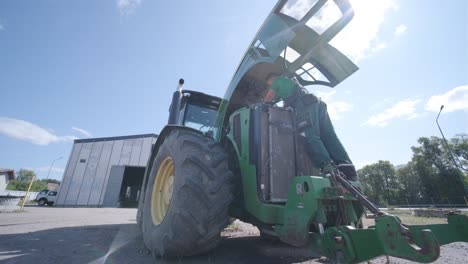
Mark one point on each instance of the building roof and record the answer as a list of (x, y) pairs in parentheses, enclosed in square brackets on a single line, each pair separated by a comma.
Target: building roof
[(115, 138), (9, 172)]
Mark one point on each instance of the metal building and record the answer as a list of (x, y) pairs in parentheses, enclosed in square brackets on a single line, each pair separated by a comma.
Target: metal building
[(6, 175), (105, 172)]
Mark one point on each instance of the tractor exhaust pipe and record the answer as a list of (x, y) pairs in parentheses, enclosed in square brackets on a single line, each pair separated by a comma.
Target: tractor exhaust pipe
[(175, 104)]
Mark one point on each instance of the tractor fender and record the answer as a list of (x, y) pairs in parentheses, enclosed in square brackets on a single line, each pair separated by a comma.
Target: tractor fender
[(166, 131), (230, 144)]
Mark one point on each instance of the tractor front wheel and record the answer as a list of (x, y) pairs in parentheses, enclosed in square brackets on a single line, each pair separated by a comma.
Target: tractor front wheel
[(187, 196)]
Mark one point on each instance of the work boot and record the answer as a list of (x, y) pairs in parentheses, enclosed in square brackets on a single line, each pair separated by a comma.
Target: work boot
[(348, 170)]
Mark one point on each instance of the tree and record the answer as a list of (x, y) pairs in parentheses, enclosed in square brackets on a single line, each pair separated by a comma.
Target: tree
[(25, 175), (23, 180), (379, 182), (440, 177), (50, 181), (411, 189), (459, 145), (16, 185), (432, 175)]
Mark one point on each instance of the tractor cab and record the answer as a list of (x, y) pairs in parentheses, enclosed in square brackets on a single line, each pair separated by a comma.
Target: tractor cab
[(195, 110)]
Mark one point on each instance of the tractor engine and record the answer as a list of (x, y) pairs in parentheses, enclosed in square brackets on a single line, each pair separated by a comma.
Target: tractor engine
[(276, 149)]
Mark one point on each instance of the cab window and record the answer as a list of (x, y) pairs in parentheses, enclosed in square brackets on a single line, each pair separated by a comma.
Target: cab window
[(200, 118)]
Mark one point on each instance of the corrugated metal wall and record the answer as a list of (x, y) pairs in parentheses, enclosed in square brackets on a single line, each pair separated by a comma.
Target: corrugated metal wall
[(86, 175), (3, 181)]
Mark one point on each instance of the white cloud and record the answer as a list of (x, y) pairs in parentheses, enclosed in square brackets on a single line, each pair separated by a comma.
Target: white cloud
[(53, 170), (325, 95), (127, 7), (453, 100), (381, 104), (378, 47), (82, 131), (400, 30), (403, 109), (335, 108), (359, 38), (26, 131)]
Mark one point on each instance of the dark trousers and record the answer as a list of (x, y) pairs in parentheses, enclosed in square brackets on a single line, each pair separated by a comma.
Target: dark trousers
[(314, 122)]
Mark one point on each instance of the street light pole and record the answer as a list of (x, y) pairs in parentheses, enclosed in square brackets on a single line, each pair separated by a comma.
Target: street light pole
[(50, 168), (449, 150)]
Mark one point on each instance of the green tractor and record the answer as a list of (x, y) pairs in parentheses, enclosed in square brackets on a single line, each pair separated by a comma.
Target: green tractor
[(238, 157)]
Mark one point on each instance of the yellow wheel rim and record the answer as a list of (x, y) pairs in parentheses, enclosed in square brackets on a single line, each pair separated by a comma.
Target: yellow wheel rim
[(162, 190)]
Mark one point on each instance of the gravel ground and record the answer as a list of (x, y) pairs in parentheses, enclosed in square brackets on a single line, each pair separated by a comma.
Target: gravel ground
[(108, 235)]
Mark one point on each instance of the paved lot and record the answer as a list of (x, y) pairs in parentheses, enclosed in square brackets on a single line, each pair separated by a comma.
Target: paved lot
[(106, 235)]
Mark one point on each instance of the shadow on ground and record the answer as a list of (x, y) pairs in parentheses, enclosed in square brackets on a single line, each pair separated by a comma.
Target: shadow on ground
[(122, 244)]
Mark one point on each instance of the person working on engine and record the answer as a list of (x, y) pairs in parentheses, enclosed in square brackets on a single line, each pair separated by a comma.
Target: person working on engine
[(312, 121)]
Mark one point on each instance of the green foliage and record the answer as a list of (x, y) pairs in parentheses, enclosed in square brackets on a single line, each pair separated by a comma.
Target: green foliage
[(25, 175), (23, 180), (432, 176), (410, 183), (438, 172), (379, 181), (23, 186), (459, 145), (49, 181), (16, 185)]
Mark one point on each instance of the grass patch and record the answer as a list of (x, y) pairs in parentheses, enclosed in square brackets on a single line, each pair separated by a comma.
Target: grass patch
[(416, 220), (401, 212), (407, 218)]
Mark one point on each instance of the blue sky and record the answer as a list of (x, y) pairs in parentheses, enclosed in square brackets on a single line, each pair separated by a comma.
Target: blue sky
[(108, 68)]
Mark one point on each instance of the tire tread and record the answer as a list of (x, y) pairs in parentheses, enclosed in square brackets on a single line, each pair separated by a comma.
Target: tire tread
[(191, 228)]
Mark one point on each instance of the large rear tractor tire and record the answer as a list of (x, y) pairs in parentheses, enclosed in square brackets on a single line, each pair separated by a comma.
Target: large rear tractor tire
[(139, 216), (187, 196)]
